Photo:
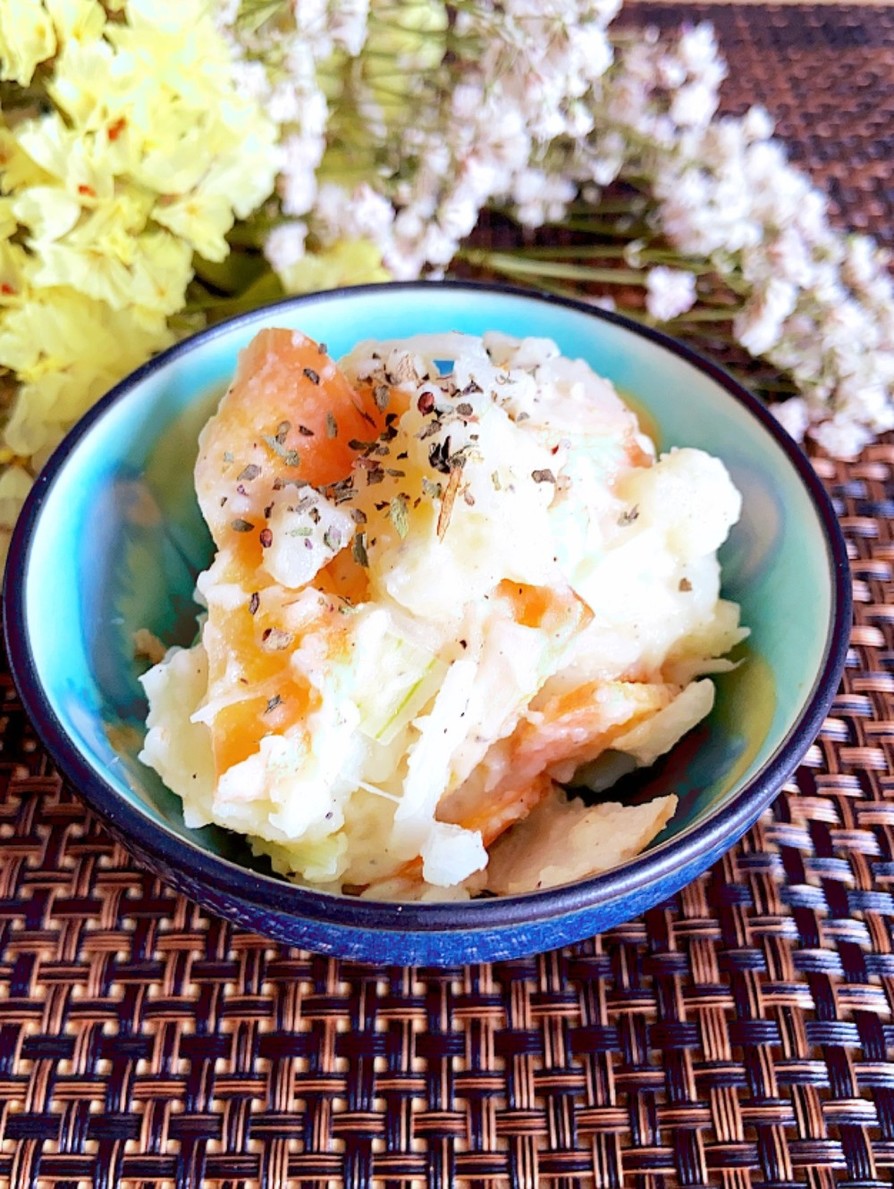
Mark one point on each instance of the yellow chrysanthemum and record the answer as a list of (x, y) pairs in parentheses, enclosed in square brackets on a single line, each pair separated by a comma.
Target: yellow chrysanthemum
[(27, 38)]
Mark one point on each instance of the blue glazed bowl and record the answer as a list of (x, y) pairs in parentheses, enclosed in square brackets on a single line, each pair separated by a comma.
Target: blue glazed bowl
[(111, 540)]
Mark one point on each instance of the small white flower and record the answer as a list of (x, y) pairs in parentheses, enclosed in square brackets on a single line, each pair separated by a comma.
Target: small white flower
[(285, 245), (757, 124), (669, 292), (841, 437), (793, 415), (759, 327)]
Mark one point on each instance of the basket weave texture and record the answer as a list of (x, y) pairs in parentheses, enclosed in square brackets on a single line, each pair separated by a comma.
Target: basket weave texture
[(738, 1035)]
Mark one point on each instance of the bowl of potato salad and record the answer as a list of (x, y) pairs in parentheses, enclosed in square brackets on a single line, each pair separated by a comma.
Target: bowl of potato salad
[(433, 623)]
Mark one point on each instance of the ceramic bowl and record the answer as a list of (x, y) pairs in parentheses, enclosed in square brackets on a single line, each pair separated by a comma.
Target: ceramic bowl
[(111, 540)]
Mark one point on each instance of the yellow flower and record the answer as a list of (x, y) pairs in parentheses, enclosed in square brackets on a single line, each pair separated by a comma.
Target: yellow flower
[(201, 219), (15, 483), (151, 270), (76, 20), (148, 157), (13, 274), (64, 158), (84, 84), (48, 212), (348, 262), (67, 350), (17, 169), (27, 38)]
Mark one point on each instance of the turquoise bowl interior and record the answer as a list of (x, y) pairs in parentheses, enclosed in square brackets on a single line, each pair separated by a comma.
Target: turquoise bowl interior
[(111, 540)]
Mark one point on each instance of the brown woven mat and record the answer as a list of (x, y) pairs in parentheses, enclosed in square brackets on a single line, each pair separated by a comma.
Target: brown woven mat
[(740, 1034)]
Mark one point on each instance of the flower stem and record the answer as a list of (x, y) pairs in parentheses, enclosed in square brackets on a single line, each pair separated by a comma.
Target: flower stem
[(505, 262)]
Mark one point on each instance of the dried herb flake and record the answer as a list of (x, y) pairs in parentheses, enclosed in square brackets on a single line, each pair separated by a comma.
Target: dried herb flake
[(397, 510), (359, 550)]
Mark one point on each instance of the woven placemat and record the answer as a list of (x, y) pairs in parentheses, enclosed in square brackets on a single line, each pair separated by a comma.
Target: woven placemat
[(737, 1035)]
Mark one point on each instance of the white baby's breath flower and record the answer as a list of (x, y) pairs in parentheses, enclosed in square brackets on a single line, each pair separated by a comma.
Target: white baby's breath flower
[(793, 415), (284, 246), (760, 325), (669, 292), (841, 436)]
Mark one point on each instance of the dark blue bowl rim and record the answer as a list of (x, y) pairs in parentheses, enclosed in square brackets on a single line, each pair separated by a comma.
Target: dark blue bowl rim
[(267, 893)]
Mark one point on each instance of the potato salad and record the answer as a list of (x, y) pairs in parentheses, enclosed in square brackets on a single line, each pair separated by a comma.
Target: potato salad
[(452, 580)]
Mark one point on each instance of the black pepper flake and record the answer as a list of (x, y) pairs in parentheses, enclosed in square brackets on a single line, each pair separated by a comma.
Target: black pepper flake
[(305, 431), (331, 426), (628, 516), (266, 538), (275, 701), (253, 603), (544, 476), (403, 454), (241, 526), (250, 472), (439, 456), (322, 348), (313, 376), (267, 511)]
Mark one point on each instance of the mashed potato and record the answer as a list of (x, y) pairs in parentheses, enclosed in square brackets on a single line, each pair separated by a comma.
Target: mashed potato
[(451, 577)]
